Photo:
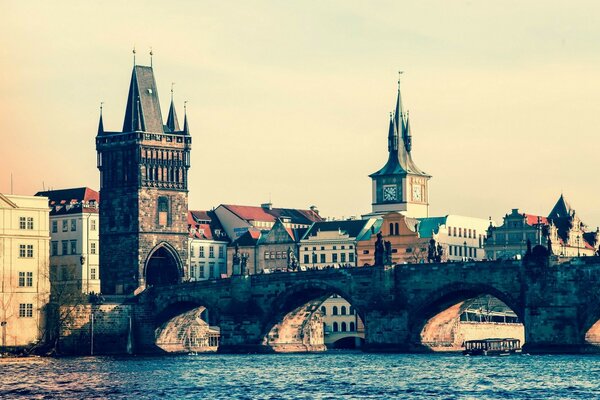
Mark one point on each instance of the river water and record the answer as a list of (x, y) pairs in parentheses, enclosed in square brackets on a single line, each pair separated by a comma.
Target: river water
[(328, 375)]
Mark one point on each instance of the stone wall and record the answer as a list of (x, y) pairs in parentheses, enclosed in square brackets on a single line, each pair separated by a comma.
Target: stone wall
[(110, 329)]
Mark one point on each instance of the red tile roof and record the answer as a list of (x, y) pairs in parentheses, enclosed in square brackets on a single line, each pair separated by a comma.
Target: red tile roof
[(532, 220), (253, 213)]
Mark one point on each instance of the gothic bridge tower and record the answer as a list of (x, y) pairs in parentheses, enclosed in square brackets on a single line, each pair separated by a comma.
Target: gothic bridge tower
[(144, 192), (400, 185)]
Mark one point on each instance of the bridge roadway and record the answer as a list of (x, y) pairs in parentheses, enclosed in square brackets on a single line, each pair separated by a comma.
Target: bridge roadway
[(557, 302)]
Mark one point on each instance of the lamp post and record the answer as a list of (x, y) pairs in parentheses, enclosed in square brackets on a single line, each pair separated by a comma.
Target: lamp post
[(578, 238), (465, 246)]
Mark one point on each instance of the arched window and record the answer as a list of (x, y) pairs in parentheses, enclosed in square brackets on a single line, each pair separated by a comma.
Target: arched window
[(391, 228), (334, 310), (324, 310), (352, 327), (396, 229), (343, 310), (352, 310), (335, 327), (343, 327)]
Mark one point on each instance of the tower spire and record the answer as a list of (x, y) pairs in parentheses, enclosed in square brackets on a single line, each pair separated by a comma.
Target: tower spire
[(100, 123), (407, 137), (392, 135), (399, 112), (172, 122), (186, 129), (134, 55)]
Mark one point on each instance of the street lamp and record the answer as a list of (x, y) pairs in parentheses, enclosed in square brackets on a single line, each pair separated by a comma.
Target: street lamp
[(465, 254), (578, 237)]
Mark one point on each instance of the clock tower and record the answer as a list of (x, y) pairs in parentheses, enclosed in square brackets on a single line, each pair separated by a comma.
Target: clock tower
[(400, 185)]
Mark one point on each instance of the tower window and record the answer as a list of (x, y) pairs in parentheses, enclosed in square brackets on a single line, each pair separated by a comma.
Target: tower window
[(163, 211)]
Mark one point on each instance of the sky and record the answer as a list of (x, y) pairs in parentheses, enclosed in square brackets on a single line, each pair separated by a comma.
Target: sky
[(290, 101)]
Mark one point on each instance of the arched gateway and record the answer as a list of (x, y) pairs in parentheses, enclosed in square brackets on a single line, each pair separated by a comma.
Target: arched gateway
[(163, 267)]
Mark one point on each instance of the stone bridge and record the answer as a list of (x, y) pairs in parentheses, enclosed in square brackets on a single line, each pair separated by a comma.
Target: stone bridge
[(557, 303)]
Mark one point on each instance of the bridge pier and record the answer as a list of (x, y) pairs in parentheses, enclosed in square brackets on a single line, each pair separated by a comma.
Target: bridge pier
[(387, 331)]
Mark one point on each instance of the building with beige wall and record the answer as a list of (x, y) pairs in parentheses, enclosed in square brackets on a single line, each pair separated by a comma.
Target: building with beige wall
[(207, 246), (24, 269), (74, 239)]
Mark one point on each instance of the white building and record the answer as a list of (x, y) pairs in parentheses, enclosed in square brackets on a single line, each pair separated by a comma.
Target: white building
[(462, 237), (25, 286), (332, 243), (207, 246), (341, 322), (74, 232)]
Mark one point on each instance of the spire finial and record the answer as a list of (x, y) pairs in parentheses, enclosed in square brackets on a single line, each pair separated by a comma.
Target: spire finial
[(172, 84), (100, 123), (134, 55), (101, 106), (151, 54), (185, 108), (399, 76)]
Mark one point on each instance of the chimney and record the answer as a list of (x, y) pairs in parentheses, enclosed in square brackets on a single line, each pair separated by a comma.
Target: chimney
[(267, 206)]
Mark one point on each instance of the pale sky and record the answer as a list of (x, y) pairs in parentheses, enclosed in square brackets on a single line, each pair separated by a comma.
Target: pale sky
[(290, 100)]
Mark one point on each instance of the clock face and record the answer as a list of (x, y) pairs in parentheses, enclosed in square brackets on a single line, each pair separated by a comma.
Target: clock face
[(389, 193), (417, 193)]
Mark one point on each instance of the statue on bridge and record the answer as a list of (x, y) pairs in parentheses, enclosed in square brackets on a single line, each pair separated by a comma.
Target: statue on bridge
[(292, 260), (435, 252), (379, 250), (236, 270), (388, 252), (243, 270)]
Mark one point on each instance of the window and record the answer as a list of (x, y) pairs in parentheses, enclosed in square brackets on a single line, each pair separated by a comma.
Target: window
[(334, 257), (201, 249), (334, 310), (65, 225), (201, 271), (54, 226), (266, 255), (93, 248), (322, 247), (335, 247), (335, 327), (450, 250), (65, 247), (54, 248), (26, 250), (322, 257), (22, 223), (396, 229), (93, 273), (163, 211), (278, 255), (459, 232), (352, 327), (343, 257), (193, 271), (352, 310), (391, 229), (73, 246), (221, 252), (191, 251), (454, 229), (25, 310), (324, 310), (29, 223), (211, 270), (343, 247), (344, 327), (21, 279), (306, 259), (29, 280), (92, 224), (73, 225), (343, 310), (211, 252), (351, 257)]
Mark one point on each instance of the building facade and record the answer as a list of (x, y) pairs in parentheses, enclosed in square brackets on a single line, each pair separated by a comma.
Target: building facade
[(24, 269), (562, 230), (400, 185), (332, 243), (277, 249), (144, 189), (207, 247), (74, 239)]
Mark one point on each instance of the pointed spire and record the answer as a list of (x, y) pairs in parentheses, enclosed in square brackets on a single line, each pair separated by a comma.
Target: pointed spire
[(392, 135), (172, 122), (398, 113), (407, 137), (100, 123), (134, 55), (186, 129)]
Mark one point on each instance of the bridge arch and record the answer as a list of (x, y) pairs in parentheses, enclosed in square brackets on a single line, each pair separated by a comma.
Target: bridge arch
[(448, 299), (294, 320), (163, 266), (590, 327)]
